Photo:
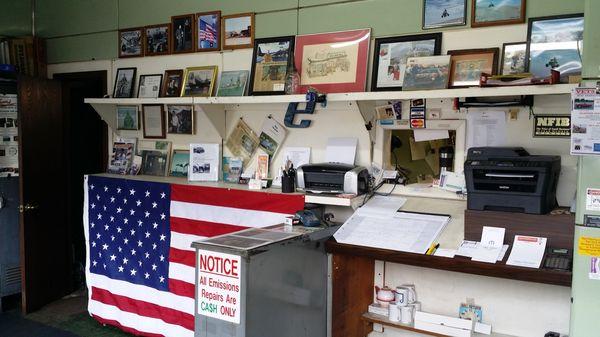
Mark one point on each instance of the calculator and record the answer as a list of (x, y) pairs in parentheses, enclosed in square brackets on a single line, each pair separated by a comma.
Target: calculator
[(558, 259)]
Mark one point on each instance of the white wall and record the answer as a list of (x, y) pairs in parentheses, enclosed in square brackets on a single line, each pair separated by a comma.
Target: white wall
[(514, 307)]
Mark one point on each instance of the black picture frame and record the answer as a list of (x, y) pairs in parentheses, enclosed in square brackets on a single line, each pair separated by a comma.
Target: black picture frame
[(529, 32), (290, 60), (435, 26), (399, 39), (130, 93), (159, 84)]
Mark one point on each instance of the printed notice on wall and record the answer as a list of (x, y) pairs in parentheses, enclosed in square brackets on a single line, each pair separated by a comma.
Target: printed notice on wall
[(219, 285), (585, 121), (9, 136), (595, 269), (592, 199), (589, 246)]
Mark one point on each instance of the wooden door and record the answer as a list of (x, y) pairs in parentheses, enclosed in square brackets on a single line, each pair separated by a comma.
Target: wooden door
[(45, 252)]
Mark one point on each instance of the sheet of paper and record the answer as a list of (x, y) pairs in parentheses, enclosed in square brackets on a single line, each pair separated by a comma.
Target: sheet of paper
[(9, 135), (486, 128), (423, 135), (271, 136), (407, 232), (341, 150), (380, 205), (585, 121), (467, 248), (445, 252), (490, 247), (527, 251), (297, 155), (205, 161)]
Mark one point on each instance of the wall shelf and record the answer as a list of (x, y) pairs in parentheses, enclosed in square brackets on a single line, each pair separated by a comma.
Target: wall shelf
[(557, 89), (456, 264)]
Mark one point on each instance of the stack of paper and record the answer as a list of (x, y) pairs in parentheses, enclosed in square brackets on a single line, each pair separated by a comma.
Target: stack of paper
[(490, 246), (527, 251)]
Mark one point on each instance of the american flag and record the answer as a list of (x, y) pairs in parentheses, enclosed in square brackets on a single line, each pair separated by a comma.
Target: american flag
[(207, 33), (140, 269)]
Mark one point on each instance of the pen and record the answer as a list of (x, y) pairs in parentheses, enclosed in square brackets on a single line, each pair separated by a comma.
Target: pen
[(432, 249)]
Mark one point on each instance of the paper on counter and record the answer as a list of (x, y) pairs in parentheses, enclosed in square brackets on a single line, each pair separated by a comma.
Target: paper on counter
[(486, 128), (527, 251), (341, 150), (467, 248), (380, 205), (490, 247), (443, 252), (297, 155), (423, 135)]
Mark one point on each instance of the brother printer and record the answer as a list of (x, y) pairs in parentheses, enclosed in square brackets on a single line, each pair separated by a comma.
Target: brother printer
[(510, 179), (333, 178)]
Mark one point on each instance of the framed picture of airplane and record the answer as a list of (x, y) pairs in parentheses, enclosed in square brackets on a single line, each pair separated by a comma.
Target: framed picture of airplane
[(444, 13), (333, 62)]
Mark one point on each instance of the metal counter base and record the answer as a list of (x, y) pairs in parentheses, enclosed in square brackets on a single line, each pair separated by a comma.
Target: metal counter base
[(273, 281)]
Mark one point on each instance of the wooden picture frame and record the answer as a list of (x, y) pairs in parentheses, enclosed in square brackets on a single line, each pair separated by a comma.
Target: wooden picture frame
[(250, 44), (279, 82), (161, 133), (442, 14), (183, 126), (472, 78), (475, 23), (167, 89), (179, 46), (121, 89), (189, 71), (155, 90), (217, 31), (165, 46), (502, 64), (123, 48), (378, 57), (184, 172)]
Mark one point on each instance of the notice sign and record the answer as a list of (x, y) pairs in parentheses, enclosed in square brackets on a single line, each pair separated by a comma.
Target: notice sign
[(592, 199), (552, 126), (219, 285), (589, 246), (585, 135)]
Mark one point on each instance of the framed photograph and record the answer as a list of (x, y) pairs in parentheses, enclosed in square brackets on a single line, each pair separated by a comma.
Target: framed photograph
[(124, 83), (333, 62), (154, 163), (233, 83), (497, 12), (555, 42), (182, 33), (389, 61), (208, 28), (199, 81), (238, 31), (444, 13), (513, 58), (131, 42), (158, 39), (128, 117), (468, 64), (270, 60), (172, 83), (149, 86), (180, 119), (180, 161), (427, 73), (154, 121)]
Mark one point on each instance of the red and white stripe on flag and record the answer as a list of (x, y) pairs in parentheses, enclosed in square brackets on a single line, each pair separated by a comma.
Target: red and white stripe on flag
[(195, 213)]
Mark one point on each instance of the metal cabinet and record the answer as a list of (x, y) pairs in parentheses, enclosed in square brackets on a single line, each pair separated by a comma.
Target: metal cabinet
[(10, 270)]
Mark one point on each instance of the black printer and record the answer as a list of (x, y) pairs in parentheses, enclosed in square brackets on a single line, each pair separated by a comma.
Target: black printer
[(510, 179)]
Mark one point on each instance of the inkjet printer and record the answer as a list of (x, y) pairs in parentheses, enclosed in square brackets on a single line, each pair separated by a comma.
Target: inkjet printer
[(333, 178), (510, 179)]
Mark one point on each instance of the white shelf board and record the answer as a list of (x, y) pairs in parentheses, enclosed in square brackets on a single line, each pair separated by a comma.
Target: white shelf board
[(557, 89)]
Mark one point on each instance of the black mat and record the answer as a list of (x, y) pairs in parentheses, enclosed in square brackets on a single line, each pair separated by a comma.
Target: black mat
[(13, 325)]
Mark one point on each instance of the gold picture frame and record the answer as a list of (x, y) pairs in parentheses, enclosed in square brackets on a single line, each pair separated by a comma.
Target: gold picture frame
[(200, 89)]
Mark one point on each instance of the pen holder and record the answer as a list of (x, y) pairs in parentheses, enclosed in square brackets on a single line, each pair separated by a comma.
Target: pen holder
[(288, 184)]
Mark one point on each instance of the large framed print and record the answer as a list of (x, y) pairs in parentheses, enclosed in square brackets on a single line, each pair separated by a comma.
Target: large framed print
[(427, 73), (238, 31), (183, 33), (444, 13), (270, 60), (158, 41), (172, 83), (199, 81), (149, 86), (131, 42), (124, 83), (467, 65), (497, 12), (555, 42), (333, 62), (154, 121), (513, 58), (208, 29), (389, 60)]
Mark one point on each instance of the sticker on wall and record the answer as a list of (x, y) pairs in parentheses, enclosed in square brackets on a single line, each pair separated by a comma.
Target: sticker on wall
[(417, 114), (554, 126), (592, 199), (595, 269), (589, 246)]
